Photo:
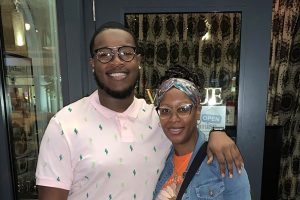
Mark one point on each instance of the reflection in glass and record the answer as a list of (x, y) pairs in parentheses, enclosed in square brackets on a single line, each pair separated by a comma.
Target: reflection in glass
[(18, 27)]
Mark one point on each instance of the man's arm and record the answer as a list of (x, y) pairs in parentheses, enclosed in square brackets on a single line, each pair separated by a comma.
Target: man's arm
[(224, 148), (51, 193)]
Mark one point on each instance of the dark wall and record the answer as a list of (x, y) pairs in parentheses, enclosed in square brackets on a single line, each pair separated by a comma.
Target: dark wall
[(72, 42)]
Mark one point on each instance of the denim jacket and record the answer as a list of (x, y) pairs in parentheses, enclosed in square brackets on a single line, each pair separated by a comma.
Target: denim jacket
[(207, 182)]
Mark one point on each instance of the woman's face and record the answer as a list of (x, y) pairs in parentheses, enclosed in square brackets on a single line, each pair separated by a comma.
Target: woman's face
[(178, 118)]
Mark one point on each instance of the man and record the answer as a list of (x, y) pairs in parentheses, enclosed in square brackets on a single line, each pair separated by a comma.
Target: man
[(109, 145)]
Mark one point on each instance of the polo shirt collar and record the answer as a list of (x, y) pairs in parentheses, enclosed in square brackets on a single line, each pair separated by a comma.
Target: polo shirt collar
[(131, 112)]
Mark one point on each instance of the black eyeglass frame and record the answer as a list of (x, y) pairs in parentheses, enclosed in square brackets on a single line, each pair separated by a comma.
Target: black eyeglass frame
[(115, 50)]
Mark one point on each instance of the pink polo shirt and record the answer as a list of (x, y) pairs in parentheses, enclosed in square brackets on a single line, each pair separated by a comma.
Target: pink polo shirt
[(97, 153)]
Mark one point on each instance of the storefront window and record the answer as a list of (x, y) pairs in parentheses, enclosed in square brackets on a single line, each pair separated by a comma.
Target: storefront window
[(32, 82)]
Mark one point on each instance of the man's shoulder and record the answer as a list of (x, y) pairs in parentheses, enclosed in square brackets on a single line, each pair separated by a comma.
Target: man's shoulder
[(75, 107)]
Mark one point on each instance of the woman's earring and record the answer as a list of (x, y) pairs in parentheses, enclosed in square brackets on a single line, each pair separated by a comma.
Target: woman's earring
[(140, 67), (93, 70)]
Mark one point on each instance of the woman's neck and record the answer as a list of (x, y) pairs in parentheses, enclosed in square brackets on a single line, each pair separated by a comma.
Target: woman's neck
[(187, 147)]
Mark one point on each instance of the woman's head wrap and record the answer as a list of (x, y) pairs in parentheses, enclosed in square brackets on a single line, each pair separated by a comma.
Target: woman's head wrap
[(183, 85)]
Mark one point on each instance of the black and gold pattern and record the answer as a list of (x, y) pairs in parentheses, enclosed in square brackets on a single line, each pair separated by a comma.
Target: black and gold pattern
[(283, 106), (177, 39)]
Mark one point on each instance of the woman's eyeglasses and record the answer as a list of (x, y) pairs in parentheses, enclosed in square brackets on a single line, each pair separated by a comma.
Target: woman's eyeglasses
[(182, 111), (106, 54)]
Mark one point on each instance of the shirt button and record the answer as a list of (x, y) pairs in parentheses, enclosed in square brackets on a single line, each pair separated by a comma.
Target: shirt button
[(210, 192)]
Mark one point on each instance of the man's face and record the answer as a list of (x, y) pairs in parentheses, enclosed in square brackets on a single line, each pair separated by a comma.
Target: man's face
[(117, 78)]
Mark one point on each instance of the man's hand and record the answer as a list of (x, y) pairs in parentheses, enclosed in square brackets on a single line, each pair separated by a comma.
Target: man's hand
[(224, 149)]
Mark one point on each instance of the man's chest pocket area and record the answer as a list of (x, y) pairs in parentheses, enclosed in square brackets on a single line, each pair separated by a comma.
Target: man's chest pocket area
[(211, 191)]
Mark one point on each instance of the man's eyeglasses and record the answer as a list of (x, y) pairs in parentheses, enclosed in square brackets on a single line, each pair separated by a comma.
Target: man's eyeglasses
[(106, 54), (182, 111)]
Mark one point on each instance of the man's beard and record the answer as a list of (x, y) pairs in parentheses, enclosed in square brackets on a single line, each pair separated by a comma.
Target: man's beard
[(115, 94)]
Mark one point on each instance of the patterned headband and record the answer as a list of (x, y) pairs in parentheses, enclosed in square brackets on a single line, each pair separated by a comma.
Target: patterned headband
[(183, 85)]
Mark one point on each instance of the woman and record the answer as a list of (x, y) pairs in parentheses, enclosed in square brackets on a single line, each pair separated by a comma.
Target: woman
[(178, 107)]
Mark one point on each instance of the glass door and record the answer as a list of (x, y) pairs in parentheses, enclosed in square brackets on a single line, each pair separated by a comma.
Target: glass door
[(31, 82)]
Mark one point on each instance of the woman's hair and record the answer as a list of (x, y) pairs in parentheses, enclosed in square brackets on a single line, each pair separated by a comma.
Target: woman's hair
[(178, 71), (109, 25)]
